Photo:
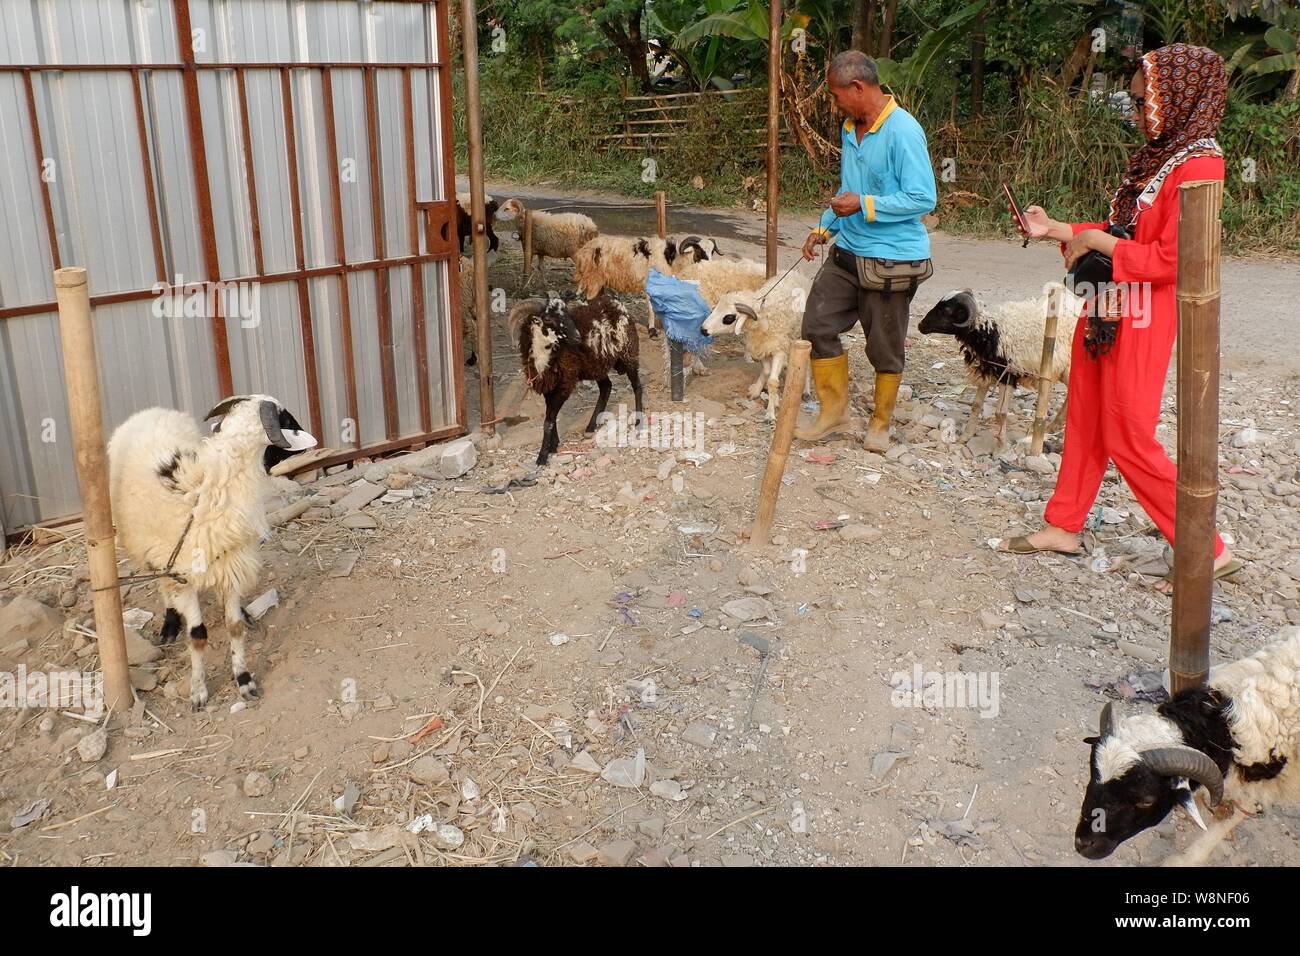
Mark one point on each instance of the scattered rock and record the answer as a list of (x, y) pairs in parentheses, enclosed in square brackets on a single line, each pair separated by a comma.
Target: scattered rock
[(700, 734), (430, 771), (93, 746), (219, 858), (26, 619), (457, 458), (617, 853), (257, 784)]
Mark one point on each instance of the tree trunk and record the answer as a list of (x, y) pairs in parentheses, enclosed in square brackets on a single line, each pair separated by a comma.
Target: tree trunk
[(864, 24), (1075, 62), (977, 67), (887, 30)]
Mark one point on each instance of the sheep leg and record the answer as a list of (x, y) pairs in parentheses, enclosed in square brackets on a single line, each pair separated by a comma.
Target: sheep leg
[(1059, 418), (756, 389), (1198, 853), (651, 327), (550, 427), (976, 409), (634, 378), (808, 383), (601, 402), (1004, 402), (774, 385), (186, 601), (236, 619)]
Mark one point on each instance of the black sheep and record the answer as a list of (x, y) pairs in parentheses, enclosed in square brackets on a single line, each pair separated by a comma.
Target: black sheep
[(561, 345), (465, 222)]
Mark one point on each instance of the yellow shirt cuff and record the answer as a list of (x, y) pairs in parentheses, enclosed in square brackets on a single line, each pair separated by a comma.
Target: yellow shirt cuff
[(869, 207), (822, 231)]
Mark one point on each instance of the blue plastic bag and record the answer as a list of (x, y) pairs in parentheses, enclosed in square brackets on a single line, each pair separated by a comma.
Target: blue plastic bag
[(680, 308)]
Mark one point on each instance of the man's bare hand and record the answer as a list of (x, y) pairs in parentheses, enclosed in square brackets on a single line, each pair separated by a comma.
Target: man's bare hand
[(846, 204), (810, 245)]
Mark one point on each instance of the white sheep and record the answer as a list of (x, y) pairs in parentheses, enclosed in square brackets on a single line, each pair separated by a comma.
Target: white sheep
[(717, 277), (556, 235), (769, 320), (622, 264), (1003, 344), (1238, 737), (200, 501)]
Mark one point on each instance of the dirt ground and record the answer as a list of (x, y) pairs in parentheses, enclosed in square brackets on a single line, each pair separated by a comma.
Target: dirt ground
[(562, 629)]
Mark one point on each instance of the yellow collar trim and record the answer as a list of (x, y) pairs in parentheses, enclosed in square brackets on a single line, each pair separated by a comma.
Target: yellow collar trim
[(889, 108), (850, 125)]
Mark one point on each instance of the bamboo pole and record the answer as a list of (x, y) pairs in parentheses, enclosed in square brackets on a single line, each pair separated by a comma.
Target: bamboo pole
[(1200, 204), (528, 243), (478, 214), (1045, 370), (661, 213), (773, 128), (80, 371), (795, 375)]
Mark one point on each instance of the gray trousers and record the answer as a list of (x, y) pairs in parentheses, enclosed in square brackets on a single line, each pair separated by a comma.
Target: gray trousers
[(836, 303)]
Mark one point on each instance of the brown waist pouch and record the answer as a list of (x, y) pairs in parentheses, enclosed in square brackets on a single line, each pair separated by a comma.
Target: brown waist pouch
[(885, 275)]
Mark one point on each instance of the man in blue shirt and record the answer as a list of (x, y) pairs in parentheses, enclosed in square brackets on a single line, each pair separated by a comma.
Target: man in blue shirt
[(881, 252)]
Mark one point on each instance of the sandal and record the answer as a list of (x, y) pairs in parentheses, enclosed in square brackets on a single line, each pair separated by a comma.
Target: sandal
[(1020, 545), (1227, 571)]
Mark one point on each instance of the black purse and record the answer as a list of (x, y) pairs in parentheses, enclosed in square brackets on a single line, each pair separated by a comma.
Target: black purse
[(1094, 271), (1093, 280)]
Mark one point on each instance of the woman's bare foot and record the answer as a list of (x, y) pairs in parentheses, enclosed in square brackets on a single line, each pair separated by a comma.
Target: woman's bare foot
[(1165, 586), (1049, 538)]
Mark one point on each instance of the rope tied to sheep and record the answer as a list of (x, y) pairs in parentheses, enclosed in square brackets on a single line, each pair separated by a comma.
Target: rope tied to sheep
[(166, 572)]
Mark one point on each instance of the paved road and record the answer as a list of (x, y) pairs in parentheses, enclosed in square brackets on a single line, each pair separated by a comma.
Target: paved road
[(1261, 297)]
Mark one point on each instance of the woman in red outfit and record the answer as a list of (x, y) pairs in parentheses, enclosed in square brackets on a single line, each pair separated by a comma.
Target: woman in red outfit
[(1118, 370)]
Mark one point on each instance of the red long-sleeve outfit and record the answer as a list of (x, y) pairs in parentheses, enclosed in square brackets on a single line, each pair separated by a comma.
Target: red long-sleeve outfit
[(1114, 400)]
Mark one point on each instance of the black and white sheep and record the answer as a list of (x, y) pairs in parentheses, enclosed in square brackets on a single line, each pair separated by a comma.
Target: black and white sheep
[(1003, 344), (768, 319), (556, 235), (1238, 737), (561, 345), (698, 249), (176, 492)]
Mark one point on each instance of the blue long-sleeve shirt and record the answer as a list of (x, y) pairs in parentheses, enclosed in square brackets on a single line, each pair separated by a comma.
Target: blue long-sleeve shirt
[(890, 169)]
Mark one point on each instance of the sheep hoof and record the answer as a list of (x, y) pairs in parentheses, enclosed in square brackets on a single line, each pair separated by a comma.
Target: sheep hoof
[(248, 689), (198, 698), (653, 333)]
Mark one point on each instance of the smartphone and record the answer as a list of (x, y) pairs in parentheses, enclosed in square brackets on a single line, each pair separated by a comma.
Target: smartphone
[(1016, 214)]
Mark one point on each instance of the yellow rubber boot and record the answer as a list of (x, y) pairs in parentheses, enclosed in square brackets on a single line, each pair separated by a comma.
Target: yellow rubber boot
[(886, 396), (831, 379)]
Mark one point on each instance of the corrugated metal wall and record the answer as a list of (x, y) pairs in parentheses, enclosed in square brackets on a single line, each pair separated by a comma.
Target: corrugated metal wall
[(102, 112)]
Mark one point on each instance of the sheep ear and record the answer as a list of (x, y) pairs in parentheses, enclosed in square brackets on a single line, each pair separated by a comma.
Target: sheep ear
[(224, 406), (280, 430)]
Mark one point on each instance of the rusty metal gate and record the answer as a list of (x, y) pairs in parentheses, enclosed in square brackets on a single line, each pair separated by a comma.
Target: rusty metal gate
[(262, 193)]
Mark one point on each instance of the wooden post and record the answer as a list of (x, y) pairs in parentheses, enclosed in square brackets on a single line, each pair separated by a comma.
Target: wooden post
[(773, 128), (1199, 208), (528, 243), (676, 375), (661, 214), (791, 394), (1045, 370), (80, 370), (478, 214)]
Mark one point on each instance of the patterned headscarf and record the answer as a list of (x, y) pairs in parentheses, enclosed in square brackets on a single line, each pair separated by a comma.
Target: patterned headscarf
[(1186, 87)]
